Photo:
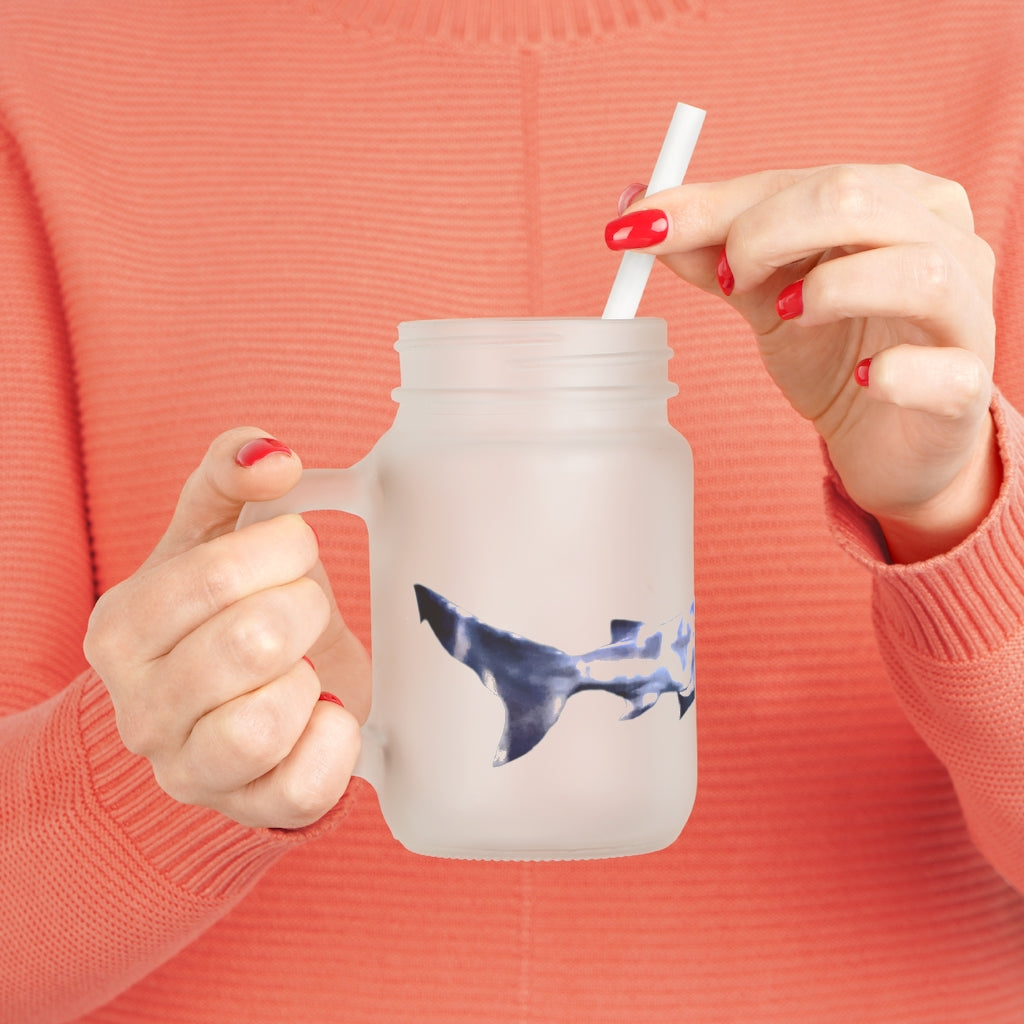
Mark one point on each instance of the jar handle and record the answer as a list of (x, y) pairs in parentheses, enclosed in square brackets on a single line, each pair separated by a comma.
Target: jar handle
[(340, 490)]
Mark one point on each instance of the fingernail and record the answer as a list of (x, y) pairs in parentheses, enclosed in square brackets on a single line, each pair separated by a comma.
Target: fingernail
[(861, 373), (309, 663), (330, 698), (790, 303), (637, 230), (252, 451), (629, 194), (724, 274)]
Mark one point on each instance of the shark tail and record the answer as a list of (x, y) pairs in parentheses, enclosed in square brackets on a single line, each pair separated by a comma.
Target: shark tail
[(532, 680)]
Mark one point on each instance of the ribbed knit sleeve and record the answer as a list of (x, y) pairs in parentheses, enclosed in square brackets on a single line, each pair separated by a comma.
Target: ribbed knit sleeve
[(102, 876), (951, 630)]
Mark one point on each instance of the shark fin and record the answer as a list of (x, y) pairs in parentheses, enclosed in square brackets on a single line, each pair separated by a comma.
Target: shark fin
[(624, 629), (526, 727), (640, 703)]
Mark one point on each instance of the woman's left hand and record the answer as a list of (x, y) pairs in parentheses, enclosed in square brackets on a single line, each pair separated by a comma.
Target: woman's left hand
[(870, 297)]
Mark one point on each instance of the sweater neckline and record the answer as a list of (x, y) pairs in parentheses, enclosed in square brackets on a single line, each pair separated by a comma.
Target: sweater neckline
[(522, 22)]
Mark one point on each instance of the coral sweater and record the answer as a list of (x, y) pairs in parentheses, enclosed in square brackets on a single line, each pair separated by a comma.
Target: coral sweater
[(214, 213)]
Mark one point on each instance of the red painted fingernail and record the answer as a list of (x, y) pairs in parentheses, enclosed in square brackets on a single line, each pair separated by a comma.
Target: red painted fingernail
[(790, 303), (309, 663), (861, 373), (330, 698), (637, 230), (628, 195), (252, 451), (724, 274)]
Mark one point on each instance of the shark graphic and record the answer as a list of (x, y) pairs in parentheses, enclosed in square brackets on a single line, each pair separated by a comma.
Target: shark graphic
[(533, 681)]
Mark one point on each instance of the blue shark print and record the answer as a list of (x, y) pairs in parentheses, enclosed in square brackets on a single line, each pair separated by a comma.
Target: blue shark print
[(533, 681)]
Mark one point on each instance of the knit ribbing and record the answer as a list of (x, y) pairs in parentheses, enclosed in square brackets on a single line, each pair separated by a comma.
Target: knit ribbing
[(515, 22), (205, 853)]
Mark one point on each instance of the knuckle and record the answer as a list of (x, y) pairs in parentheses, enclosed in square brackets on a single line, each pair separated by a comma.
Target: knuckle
[(309, 795), (829, 294), (971, 382), (931, 271), (953, 196), (254, 641), (903, 173), (316, 606), (96, 642), (700, 216), (848, 194), (292, 534), (221, 581), (752, 246), (775, 181), (952, 408), (178, 783), (950, 201), (956, 382), (136, 734), (254, 733), (104, 641), (143, 730), (265, 633), (326, 769)]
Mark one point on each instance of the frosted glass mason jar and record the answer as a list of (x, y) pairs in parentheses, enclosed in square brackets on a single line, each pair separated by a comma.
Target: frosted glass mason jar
[(531, 571)]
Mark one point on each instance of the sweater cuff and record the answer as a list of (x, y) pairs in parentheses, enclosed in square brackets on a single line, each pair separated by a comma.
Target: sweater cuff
[(962, 604), (194, 848)]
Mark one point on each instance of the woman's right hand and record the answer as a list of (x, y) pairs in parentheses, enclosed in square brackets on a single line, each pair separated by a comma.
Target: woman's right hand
[(203, 650)]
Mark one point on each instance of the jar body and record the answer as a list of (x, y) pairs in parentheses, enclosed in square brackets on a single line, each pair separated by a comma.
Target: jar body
[(532, 613)]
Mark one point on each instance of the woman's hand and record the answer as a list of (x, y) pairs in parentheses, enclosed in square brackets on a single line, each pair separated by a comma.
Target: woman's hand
[(871, 300), (203, 650)]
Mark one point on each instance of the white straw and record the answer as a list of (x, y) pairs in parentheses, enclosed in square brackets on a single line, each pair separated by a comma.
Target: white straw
[(674, 158)]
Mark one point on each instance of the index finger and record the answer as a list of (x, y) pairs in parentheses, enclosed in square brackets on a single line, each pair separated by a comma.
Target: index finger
[(171, 599), (700, 214)]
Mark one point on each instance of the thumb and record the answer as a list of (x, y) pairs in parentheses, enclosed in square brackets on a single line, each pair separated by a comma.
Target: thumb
[(241, 465)]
